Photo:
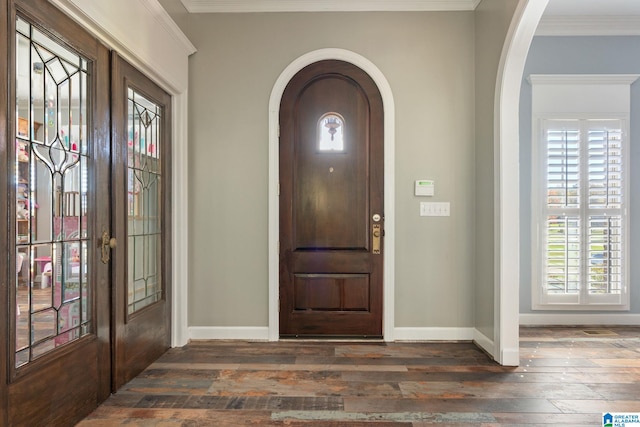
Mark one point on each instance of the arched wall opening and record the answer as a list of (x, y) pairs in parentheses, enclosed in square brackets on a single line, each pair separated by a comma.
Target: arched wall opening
[(506, 184), (389, 180)]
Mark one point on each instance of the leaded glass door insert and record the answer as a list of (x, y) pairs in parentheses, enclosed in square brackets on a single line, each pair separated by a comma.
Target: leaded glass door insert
[(144, 176), (54, 292)]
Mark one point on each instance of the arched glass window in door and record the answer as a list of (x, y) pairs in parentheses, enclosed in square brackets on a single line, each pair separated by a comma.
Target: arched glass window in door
[(331, 133)]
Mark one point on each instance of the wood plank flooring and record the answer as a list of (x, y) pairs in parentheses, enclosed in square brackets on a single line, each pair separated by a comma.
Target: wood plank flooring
[(567, 377)]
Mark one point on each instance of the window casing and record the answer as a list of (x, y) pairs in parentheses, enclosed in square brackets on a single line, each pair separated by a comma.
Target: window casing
[(580, 194)]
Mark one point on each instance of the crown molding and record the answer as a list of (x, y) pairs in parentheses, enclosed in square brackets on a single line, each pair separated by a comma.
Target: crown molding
[(145, 20), (582, 79), (238, 6), (168, 24), (591, 25)]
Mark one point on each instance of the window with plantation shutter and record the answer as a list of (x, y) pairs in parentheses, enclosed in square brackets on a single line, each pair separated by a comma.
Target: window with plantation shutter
[(580, 171)]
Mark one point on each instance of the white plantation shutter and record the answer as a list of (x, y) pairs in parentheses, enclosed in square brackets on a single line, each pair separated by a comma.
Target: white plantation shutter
[(563, 167), (562, 250), (562, 227), (582, 222), (605, 159)]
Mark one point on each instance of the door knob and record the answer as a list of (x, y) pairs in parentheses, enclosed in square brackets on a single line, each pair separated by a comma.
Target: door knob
[(108, 243)]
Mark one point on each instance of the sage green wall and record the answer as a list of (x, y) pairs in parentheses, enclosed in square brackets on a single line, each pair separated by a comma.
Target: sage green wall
[(429, 61), (492, 19)]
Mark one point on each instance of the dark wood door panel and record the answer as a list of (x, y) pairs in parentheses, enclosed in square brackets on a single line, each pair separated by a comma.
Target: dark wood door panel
[(330, 188), (331, 292), (150, 343), (62, 399), (330, 324), (328, 262)]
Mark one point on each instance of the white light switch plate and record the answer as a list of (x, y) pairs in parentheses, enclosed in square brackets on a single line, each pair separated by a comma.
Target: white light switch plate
[(435, 209)]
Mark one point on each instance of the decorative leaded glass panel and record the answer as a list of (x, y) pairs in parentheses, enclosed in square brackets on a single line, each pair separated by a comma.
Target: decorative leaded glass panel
[(51, 175), (144, 177)]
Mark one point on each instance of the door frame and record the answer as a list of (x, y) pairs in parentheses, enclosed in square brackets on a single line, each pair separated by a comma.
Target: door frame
[(389, 182)]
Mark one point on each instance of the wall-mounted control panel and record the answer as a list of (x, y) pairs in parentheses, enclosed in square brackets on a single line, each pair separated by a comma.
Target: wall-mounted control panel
[(435, 209), (424, 187)]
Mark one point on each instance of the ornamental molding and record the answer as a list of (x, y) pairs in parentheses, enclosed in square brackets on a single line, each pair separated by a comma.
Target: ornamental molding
[(582, 79), (591, 25), (239, 6)]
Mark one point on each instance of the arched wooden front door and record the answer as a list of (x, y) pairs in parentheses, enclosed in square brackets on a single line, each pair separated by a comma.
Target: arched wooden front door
[(331, 203)]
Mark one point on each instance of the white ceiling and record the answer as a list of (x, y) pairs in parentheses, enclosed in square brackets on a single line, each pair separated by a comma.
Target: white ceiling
[(562, 17)]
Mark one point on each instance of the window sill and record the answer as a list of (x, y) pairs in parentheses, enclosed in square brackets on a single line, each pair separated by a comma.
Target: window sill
[(580, 307)]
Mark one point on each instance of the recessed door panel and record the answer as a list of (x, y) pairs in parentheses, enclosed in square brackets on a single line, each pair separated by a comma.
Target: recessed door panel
[(330, 185), (343, 292)]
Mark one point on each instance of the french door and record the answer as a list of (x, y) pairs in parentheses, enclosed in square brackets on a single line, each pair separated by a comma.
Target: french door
[(84, 280), (56, 348), (141, 216)]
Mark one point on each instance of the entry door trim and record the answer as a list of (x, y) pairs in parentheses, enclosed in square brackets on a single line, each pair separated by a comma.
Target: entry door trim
[(389, 181)]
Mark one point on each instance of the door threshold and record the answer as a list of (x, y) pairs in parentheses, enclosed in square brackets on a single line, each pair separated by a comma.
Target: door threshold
[(331, 338)]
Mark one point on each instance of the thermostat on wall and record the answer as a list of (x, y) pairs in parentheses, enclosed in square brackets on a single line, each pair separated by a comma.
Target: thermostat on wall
[(424, 187)]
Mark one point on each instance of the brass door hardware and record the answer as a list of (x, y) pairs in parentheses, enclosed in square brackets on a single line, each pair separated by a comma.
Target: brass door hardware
[(108, 243), (377, 233)]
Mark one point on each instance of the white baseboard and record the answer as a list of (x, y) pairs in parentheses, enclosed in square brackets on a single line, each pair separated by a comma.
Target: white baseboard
[(255, 333), (570, 319), (400, 334), (433, 334), (484, 342)]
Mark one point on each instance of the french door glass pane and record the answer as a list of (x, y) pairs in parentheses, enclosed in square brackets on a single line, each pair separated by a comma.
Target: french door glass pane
[(144, 177), (51, 169)]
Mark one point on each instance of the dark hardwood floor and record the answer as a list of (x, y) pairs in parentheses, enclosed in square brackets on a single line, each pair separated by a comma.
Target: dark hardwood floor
[(567, 377)]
